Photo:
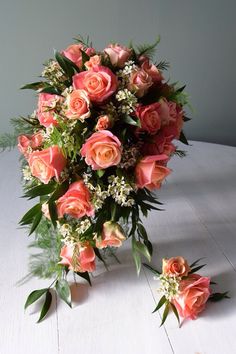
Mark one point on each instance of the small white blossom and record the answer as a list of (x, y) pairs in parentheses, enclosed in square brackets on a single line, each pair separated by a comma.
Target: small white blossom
[(27, 176), (169, 286)]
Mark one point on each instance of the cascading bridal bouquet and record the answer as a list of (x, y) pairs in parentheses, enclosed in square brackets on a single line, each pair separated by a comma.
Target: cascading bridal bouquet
[(95, 148)]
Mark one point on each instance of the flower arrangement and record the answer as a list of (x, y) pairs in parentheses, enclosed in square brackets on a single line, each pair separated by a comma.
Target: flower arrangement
[(183, 290), (94, 150)]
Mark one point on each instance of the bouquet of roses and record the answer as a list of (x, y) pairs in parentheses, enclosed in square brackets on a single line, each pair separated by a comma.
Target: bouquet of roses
[(95, 148)]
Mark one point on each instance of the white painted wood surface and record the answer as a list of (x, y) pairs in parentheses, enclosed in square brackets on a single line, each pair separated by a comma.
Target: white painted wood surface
[(114, 316)]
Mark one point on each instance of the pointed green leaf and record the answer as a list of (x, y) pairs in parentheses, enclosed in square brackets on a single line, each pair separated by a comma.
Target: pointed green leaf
[(29, 216), (46, 306), (59, 191), (194, 270), (154, 271), (196, 262), (34, 296), (84, 275), (51, 90), (63, 290), (100, 173), (183, 138), (85, 56), (219, 296), (142, 231), (129, 120), (141, 248), (53, 212), (36, 221), (98, 254), (34, 86), (174, 309), (165, 313), (161, 302), (42, 189)]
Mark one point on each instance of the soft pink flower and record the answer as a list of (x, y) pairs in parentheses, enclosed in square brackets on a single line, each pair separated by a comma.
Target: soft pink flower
[(75, 202), (151, 171), (46, 109), (112, 235), (140, 81), (99, 82), (149, 117), (157, 145), (151, 70), (118, 54), (175, 266), (194, 293), (85, 260), (77, 103), (102, 150), (47, 163), (94, 60), (103, 123), (27, 142), (73, 52)]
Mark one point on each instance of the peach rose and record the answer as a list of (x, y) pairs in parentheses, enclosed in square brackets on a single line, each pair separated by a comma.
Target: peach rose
[(149, 117), (151, 70), (85, 260), (139, 82), (73, 52), (157, 145), (94, 60), (173, 130), (151, 171), (175, 266), (46, 109), (102, 150), (103, 123), (112, 235), (28, 142), (194, 293), (47, 163), (77, 103), (118, 54), (75, 202), (99, 82)]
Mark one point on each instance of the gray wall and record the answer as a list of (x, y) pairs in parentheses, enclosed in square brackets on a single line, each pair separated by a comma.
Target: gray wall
[(198, 38)]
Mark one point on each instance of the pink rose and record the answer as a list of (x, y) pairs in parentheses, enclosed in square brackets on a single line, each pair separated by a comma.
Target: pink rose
[(151, 70), (46, 109), (151, 171), (175, 266), (103, 123), (47, 163), (173, 130), (118, 54), (77, 103), (194, 293), (99, 82), (85, 260), (157, 145), (93, 61), (73, 52), (28, 142), (112, 235), (75, 202), (102, 150), (139, 82), (149, 117)]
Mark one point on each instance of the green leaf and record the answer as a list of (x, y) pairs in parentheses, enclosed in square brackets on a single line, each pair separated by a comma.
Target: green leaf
[(66, 64), (34, 296), (181, 89), (174, 309), (196, 262), (85, 56), (63, 290), (59, 191), (183, 138), (29, 216), (154, 271), (46, 306), (148, 49), (219, 296), (100, 173), (142, 231), (141, 248), (129, 120), (34, 86), (165, 313), (42, 189), (53, 212), (136, 256), (36, 221), (84, 275), (51, 90), (98, 254), (194, 270), (161, 302)]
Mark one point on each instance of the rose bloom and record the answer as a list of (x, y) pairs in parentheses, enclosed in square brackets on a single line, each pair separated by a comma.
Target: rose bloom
[(75, 202), (47, 163), (27, 142), (99, 82), (73, 52), (103, 123), (102, 150), (118, 54), (139, 82), (151, 70), (77, 105), (112, 235), (175, 266), (149, 117), (45, 111), (85, 261), (194, 293), (150, 171), (157, 145), (173, 130), (94, 60)]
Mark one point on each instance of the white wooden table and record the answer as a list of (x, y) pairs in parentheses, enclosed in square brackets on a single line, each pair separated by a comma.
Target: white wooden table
[(114, 315)]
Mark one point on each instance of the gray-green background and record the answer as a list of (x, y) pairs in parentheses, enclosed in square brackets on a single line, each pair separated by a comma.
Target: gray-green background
[(197, 37)]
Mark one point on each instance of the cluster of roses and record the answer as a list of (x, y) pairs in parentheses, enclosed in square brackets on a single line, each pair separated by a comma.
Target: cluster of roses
[(109, 96)]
